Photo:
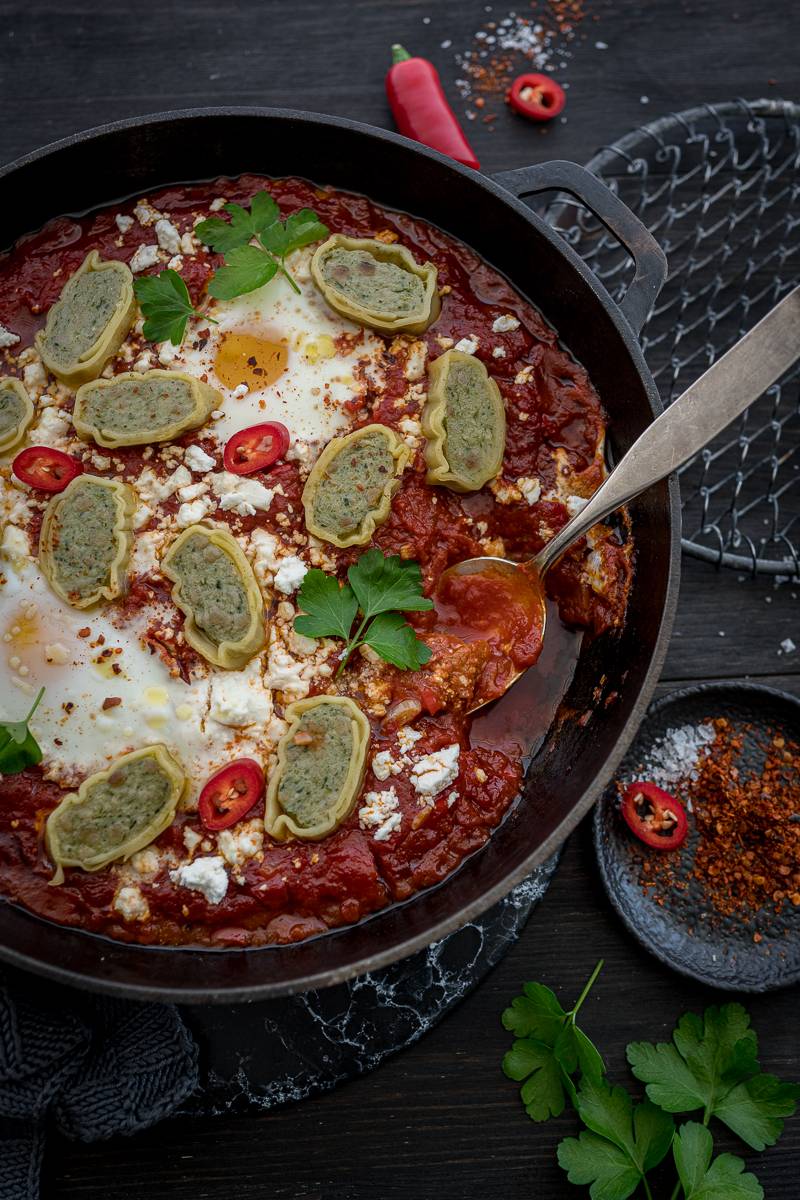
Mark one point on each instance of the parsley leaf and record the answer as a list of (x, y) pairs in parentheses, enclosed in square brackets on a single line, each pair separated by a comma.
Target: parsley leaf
[(300, 229), (380, 592), (624, 1141), (394, 639), (166, 307), (712, 1064), (224, 236), (18, 746), (702, 1179), (246, 269), (550, 1048)]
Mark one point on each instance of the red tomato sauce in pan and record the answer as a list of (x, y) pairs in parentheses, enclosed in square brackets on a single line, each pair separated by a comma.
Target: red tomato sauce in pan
[(299, 889)]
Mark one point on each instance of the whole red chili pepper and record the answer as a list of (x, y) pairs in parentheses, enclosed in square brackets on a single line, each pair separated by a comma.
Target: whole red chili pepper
[(421, 110)]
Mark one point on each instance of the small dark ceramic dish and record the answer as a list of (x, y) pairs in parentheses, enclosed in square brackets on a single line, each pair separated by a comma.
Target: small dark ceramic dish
[(684, 931)]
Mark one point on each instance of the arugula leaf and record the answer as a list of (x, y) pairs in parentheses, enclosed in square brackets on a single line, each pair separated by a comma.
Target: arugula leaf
[(394, 639), (246, 269), (702, 1179), (712, 1064), (624, 1143), (165, 304), (384, 584), (224, 236), (18, 746), (328, 608)]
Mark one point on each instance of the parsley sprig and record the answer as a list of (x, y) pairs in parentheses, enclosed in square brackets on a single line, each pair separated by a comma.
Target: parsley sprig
[(166, 307), (18, 747), (367, 610), (247, 266), (711, 1064)]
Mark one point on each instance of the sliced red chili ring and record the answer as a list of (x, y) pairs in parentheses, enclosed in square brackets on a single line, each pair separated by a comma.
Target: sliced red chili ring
[(256, 448), (231, 793), (536, 96), (657, 819), (45, 468)]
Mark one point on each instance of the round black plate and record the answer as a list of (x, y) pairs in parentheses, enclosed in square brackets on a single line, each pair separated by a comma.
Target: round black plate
[(685, 932)]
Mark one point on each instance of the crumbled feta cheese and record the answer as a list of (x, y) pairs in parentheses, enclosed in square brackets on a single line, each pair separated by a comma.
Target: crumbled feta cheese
[(305, 453), (415, 361), (524, 375), (167, 235), (240, 391), (152, 489), (191, 513), (206, 875), (265, 549), (499, 352), (284, 673), (407, 738), (142, 516), (144, 557), (242, 496), (383, 765), (188, 244), (467, 345), (124, 222), (193, 490), (146, 862), (436, 771), (144, 257), (167, 353), (145, 213), (574, 504), (505, 492), (131, 904), (176, 262), (7, 338), (56, 654), (290, 574), (451, 799), (51, 429), (530, 487), (505, 324), (196, 459), (34, 376), (217, 203), (381, 812), (191, 838), (238, 846), (143, 363), (239, 698), (411, 430)]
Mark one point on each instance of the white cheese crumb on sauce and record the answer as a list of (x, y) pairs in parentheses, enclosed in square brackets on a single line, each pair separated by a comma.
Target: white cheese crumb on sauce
[(206, 875)]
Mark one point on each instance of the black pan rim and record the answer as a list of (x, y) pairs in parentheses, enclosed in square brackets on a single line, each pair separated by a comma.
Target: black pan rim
[(401, 947)]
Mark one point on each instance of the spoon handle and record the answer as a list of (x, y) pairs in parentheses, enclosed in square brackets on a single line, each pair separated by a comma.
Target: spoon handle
[(734, 381)]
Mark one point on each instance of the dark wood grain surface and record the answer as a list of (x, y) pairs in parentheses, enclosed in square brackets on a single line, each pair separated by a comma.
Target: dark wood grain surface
[(438, 1120)]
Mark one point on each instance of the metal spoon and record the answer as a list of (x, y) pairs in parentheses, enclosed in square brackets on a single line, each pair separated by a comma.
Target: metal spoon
[(725, 390)]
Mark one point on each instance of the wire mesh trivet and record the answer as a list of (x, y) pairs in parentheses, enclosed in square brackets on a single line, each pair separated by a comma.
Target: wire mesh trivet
[(719, 187)]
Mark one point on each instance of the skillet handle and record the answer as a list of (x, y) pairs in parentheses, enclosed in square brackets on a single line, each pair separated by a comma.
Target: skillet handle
[(649, 260)]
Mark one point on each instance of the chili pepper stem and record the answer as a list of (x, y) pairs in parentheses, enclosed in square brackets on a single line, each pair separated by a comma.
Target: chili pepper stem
[(399, 54)]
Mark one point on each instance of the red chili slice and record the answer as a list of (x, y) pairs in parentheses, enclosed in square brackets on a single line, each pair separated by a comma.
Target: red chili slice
[(255, 448), (536, 96), (46, 468), (231, 793), (657, 819)]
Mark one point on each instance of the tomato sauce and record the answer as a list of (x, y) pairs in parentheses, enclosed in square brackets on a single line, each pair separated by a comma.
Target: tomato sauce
[(296, 890)]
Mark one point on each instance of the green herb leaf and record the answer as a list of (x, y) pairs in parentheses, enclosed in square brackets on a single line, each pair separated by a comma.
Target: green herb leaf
[(224, 236), (537, 1013), (712, 1063), (166, 307), (394, 639), (534, 1064), (18, 746), (328, 608), (300, 229), (702, 1179), (624, 1143), (387, 584), (246, 269)]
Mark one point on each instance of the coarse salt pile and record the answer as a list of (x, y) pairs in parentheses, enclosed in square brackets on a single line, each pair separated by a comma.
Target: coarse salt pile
[(674, 758)]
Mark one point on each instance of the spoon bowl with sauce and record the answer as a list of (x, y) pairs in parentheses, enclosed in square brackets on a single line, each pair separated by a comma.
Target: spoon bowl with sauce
[(484, 592)]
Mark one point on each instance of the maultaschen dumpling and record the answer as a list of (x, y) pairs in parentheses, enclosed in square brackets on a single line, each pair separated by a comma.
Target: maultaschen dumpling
[(16, 412), (86, 539), (348, 493), (139, 408), (464, 422), (215, 588), (375, 284), (89, 321), (321, 763)]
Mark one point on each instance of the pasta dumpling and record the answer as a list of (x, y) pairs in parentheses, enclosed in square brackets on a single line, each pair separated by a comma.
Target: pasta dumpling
[(348, 493), (464, 422), (375, 284), (16, 413), (139, 408), (86, 539)]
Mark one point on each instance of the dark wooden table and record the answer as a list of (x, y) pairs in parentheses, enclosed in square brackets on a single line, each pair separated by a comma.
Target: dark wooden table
[(438, 1120)]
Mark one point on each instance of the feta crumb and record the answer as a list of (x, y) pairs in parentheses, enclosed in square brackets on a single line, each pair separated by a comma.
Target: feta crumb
[(290, 574), (530, 487), (381, 812), (131, 904), (436, 771), (240, 391), (383, 765), (167, 353), (56, 654), (193, 490), (34, 375), (145, 213), (239, 494), (196, 459), (7, 338), (145, 256), (451, 799), (167, 235), (124, 222), (151, 488), (52, 428), (191, 513), (239, 698), (143, 362), (176, 262), (505, 324), (237, 846), (284, 673), (188, 244), (206, 875), (574, 504), (467, 345), (191, 838), (415, 361), (407, 738), (217, 203), (499, 352)]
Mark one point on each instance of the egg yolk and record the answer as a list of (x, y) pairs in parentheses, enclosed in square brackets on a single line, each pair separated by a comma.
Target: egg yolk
[(245, 358)]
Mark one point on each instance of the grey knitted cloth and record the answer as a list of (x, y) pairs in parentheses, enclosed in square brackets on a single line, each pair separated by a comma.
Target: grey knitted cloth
[(92, 1066)]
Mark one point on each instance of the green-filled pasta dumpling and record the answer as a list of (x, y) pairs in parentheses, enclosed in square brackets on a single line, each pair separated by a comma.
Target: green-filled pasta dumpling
[(375, 284), (464, 422)]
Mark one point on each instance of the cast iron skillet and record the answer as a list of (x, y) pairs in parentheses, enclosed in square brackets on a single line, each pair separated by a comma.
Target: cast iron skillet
[(576, 761)]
